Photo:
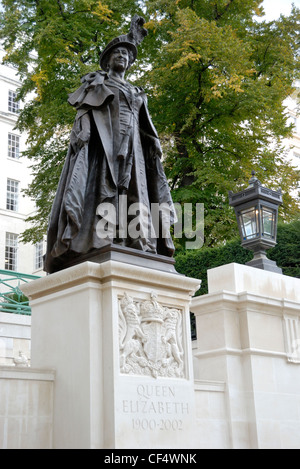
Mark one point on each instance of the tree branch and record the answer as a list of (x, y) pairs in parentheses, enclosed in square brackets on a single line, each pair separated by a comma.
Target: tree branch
[(60, 9), (219, 15)]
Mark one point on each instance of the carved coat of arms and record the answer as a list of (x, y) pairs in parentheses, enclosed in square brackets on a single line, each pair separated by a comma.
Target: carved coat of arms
[(150, 338)]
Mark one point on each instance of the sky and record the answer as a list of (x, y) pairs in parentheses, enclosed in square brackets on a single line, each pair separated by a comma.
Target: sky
[(274, 8)]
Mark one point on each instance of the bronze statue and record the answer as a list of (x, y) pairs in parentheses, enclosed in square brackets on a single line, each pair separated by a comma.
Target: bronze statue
[(113, 160)]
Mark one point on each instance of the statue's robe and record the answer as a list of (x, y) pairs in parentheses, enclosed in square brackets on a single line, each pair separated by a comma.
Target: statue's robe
[(97, 171)]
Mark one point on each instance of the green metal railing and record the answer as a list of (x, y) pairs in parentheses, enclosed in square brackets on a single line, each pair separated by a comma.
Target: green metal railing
[(12, 299)]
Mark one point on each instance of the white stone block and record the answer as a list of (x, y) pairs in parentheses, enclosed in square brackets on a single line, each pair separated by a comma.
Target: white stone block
[(26, 408), (118, 336), (248, 336), (241, 278)]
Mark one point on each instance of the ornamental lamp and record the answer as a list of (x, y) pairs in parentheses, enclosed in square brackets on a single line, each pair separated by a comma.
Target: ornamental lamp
[(256, 210)]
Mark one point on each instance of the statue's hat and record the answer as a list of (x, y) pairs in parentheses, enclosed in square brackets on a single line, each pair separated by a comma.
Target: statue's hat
[(131, 41)]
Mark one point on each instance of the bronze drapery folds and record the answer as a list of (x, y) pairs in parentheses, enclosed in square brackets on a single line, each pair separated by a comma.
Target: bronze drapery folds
[(113, 175)]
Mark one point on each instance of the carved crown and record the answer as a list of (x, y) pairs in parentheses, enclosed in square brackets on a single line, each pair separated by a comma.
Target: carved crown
[(152, 311)]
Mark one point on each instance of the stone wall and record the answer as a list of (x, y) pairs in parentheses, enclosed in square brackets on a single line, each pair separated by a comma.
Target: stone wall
[(245, 363), (248, 337), (26, 408), (15, 337)]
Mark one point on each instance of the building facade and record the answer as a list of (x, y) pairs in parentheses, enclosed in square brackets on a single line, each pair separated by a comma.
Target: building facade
[(15, 175)]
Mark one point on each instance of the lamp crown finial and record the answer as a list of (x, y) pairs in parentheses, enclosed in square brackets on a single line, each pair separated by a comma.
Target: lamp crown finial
[(253, 180)]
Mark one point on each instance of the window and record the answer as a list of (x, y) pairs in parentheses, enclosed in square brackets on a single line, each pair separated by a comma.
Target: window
[(13, 146), (38, 263), (12, 195), (292, 119), (11, 249), (13, 104)]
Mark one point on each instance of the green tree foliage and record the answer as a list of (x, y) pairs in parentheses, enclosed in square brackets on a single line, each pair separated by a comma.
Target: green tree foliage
[(215, 76), (53, 43), (287, 251), (286, 254), (218, 85)]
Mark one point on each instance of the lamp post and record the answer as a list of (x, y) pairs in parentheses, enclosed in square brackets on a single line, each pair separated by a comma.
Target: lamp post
[(256, 210)]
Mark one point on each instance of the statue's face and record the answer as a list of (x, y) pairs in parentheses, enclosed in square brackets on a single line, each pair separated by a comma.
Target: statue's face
[(118, 59)]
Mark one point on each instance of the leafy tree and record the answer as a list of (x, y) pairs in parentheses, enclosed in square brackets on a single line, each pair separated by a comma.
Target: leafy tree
[(53, 43), (215, 76), (287, 251), (218, 85)]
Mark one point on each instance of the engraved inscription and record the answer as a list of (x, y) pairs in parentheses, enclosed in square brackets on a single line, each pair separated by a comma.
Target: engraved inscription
[(156, 408), (152, 424), (150, 338)]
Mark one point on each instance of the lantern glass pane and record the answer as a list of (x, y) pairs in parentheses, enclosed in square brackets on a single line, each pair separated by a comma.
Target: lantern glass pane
[(249, 223), (268, 222)]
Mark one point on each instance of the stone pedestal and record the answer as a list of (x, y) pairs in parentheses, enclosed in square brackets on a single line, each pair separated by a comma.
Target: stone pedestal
[(118, 337), (248, 337)]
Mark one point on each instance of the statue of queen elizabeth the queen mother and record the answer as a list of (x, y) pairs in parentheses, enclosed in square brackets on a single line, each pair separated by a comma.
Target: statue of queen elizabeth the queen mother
[(113, 162)]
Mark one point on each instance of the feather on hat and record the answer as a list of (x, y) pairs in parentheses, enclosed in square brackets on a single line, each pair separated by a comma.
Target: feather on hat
[(131, 40)]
